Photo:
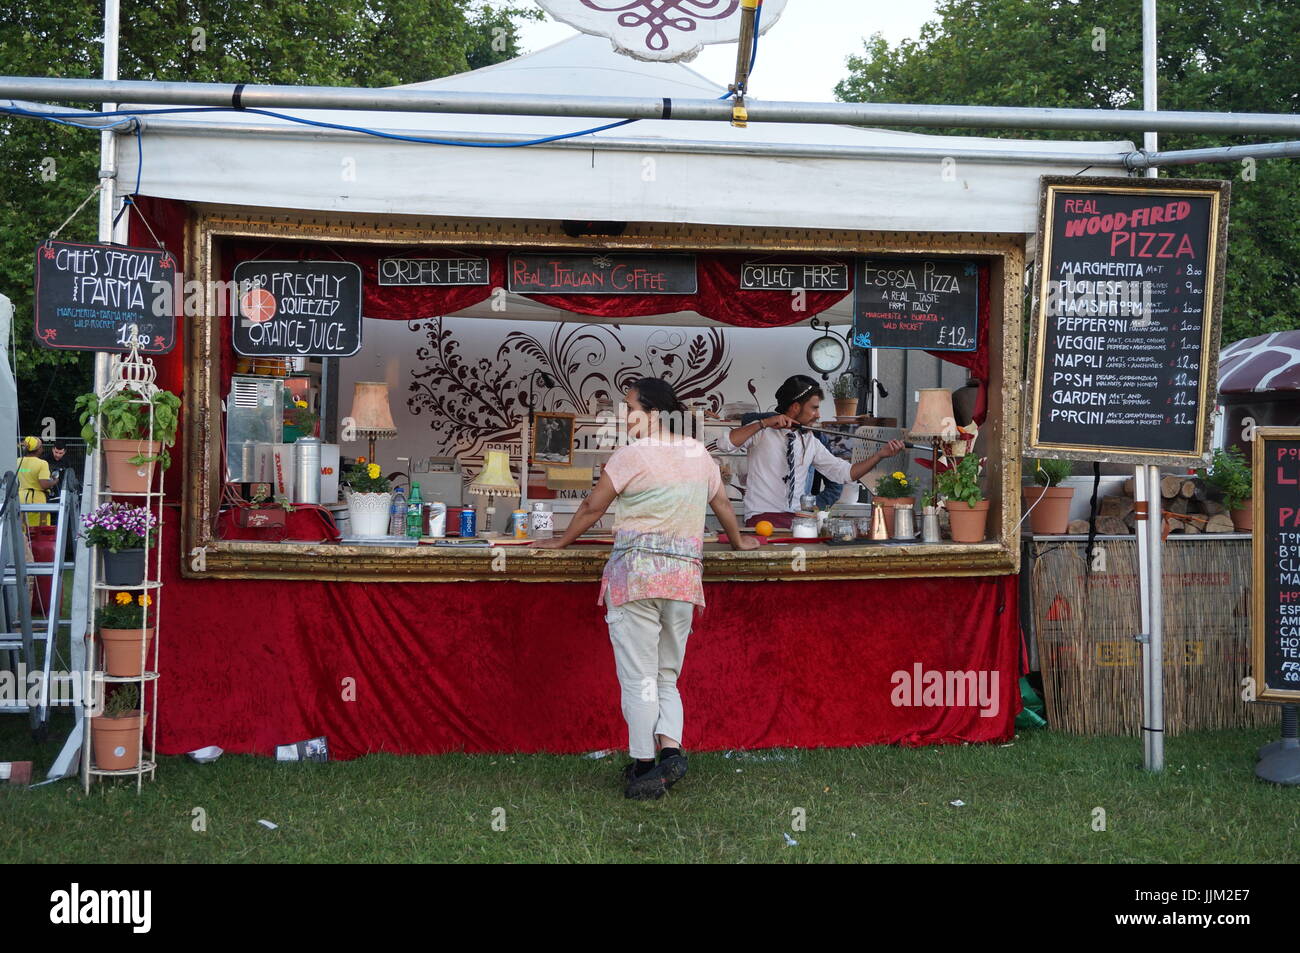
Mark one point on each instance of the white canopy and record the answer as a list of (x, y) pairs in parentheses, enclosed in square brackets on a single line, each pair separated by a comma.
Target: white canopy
[(231, 158)]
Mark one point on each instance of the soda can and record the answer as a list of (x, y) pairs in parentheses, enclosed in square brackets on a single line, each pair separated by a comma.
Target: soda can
[(468, 522), (519, 524)]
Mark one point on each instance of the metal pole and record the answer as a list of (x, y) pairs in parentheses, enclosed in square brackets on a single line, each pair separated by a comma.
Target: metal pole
[(231, 95), (1153, 668), (107, 176)]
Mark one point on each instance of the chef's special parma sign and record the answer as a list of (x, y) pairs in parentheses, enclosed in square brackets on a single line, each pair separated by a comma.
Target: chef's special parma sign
[(298, 309), (1125, 336), (89, 297)]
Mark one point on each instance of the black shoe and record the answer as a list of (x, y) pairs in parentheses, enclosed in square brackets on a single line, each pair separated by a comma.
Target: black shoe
[(672, 769), (645, 787)]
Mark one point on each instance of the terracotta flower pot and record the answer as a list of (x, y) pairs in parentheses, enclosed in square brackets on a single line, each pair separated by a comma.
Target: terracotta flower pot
[(122, 650), (117, 740), (846, 406), (124, 477), (887, 504), (1243, 518), (967, 522), (1050, 513)]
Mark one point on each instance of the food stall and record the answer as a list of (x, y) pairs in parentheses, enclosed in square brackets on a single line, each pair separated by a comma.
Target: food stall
[(493, 285)]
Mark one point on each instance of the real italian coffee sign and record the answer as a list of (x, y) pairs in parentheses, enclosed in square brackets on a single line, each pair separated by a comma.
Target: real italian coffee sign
[(298, 309), (94, 297), (1125, 336), (1275, 617)]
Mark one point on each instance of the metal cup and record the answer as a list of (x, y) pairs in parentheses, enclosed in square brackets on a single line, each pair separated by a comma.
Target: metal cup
[(904, 527), (930, 525)]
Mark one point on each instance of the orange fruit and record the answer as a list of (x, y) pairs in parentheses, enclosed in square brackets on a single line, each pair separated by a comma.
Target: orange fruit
[(763, 528)]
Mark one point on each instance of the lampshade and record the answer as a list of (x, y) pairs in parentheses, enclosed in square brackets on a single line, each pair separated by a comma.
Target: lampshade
[(370, 413), (934, 416), (495, 479)]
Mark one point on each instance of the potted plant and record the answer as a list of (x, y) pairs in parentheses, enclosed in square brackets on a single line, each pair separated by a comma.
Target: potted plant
[(1048, 503), (369, 499), (1229, 474), (116, 732), (123, 628), (122, 533), (299, 419), (967, 509), (845, 392), (130, 446), (892, 491)]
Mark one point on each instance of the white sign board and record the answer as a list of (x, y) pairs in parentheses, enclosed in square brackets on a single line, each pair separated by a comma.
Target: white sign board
[(660, 30)]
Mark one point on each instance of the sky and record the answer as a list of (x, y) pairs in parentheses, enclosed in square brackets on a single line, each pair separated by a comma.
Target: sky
[(802, 56)]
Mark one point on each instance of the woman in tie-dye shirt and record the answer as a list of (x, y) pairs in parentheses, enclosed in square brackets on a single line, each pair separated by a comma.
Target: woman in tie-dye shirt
[(662, 481)]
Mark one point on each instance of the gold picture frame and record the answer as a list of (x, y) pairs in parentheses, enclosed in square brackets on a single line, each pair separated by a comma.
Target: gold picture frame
[(552, 443)]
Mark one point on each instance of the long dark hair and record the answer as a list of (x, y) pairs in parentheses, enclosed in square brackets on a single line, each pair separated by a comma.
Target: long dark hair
[(655, 394), (797, 390)]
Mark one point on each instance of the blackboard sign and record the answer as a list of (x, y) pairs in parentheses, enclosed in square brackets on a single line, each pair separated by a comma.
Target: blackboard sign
[(298, 309), (930, 304), (785, 276), (89, 296), (1275, 617), (1125, 339), (433, 271), (611, 274)]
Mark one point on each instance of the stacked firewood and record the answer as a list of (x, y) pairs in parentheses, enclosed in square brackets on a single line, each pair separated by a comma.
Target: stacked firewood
[(1190, 505)]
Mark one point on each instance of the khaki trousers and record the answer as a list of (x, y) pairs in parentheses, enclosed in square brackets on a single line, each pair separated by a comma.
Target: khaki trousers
[(649, 638)]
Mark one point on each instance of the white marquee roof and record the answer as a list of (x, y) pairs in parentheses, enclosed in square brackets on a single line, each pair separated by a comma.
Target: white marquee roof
[(215, 158)]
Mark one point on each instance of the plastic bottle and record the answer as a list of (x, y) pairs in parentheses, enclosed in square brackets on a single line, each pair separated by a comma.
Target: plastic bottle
[(397, 522), (415, 514), (541, 522)]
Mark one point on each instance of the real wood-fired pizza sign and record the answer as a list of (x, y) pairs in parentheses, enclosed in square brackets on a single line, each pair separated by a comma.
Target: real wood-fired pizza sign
[(1125, 337)]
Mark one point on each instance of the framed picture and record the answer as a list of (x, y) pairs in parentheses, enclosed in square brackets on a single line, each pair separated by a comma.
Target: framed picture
[(553, 439)]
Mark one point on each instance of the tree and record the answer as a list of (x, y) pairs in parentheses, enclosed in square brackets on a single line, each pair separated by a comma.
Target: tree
[(1214, 55), (48, 169)]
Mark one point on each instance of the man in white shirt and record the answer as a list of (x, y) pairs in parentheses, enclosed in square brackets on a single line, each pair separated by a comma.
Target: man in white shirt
[(780, 455)]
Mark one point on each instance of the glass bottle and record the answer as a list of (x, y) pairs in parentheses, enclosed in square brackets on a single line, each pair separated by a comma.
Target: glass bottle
[(414, 516)]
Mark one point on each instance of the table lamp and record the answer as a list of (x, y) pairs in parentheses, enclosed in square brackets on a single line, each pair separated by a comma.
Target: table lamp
[(370, 415), (934, 422), (495, 479)]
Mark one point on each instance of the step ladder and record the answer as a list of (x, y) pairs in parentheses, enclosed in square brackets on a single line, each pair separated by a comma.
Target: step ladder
[(20, 635)]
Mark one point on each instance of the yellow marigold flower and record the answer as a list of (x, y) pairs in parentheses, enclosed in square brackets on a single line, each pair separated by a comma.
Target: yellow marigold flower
[(144, 600), (899, 475), (904, 482), (122, 598), (300, 403), (373, 471)]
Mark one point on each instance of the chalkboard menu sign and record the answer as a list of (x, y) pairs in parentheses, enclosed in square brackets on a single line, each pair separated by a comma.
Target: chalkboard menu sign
[(612, 274), (433, 271), (298, 309), (788, 276), (1275, 616), (926, 303), (87, 297), (1125, 338)]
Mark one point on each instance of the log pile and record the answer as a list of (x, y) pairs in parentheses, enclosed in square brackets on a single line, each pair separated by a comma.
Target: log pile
[(1188, 503)]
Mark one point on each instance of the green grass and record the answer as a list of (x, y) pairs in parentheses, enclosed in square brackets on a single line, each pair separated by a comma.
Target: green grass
[(1032, 801)]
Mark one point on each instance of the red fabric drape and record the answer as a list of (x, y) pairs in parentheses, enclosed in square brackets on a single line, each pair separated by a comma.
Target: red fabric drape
[(512, 666)]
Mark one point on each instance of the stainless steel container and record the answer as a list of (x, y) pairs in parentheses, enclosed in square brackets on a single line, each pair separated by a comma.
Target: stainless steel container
[(307, 464), (930, 525), (904, 526)]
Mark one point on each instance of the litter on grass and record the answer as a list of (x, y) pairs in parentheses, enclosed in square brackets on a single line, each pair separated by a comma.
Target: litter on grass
[(267, 824), (957, 803), (789, 841), (774, 755), (597, 755)]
